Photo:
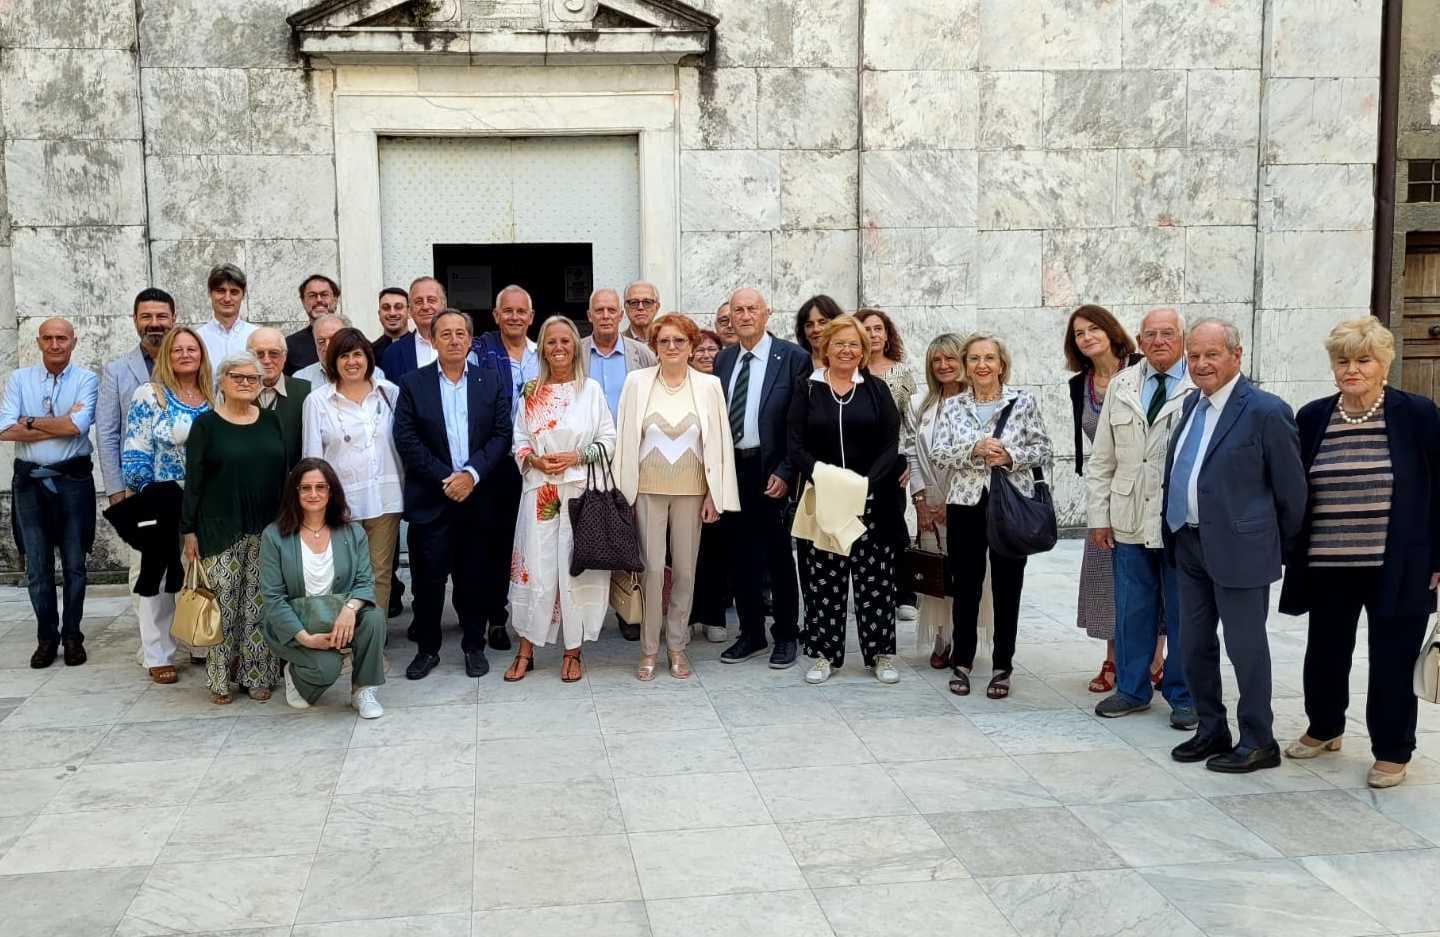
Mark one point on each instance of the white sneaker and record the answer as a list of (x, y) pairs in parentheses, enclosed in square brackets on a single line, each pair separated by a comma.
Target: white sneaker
[(907, 613), (292, 695), (715, 634), (819, 671), (364, 702), (885, 670)]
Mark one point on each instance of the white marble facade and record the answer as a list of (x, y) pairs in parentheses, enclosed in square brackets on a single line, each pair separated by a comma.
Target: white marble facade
[(960, 163)]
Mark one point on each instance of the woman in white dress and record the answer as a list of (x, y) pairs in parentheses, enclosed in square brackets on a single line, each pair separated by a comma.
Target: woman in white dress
[(563, 426)]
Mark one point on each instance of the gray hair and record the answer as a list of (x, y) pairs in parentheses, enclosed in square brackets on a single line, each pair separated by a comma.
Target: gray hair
[(1179, 317), (597, 292), (330, 317), (512, 288), (579, 367), (1232, 334), (634, 283)]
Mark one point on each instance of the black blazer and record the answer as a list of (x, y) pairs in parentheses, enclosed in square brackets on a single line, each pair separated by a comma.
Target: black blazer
[(399, 359), (1077, 405), (1412, 537), (788, 363), (425, 449), (300, 350)]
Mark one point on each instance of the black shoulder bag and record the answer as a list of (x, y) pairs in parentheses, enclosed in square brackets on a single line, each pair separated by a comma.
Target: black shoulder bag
[(1015, 525), (603, 525)]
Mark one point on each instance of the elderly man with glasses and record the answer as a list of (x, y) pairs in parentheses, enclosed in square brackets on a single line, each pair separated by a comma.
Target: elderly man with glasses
[(642, 306)]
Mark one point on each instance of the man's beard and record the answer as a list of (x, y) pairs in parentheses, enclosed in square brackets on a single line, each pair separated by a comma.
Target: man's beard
[(153, 340)]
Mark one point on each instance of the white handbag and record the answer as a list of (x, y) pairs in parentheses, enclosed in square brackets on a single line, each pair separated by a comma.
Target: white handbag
[(1427, 667)]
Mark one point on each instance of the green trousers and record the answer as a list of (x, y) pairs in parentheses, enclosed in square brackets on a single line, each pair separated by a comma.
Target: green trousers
[(314, 672)]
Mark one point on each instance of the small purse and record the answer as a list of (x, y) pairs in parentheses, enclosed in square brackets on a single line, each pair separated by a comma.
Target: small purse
[(922, 570), (197, 612), (1427, 666), (627, 597)]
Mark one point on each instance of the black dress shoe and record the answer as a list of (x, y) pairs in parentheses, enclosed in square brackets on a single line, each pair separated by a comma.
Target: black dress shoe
[(630, 631), (74, 652), (783, 656), (421, 666), (44, 654), (499, 638), (743, 649), (1245, 760), (397, 606), (475, 664), (1199, 748)]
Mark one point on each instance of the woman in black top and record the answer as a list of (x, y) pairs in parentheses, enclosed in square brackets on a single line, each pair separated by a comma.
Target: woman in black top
[(842, 416)]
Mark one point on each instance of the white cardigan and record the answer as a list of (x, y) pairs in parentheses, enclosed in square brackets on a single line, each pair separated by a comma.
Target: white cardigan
[(586, 421), (719, 449)]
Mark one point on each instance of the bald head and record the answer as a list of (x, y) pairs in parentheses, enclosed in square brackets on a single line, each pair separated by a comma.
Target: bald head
[(268, 347), (749, 315), (56, 338)]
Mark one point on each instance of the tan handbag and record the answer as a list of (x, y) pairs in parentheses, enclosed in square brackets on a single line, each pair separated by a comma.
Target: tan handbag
[(1427, 667), (627, 598), (197, 612)]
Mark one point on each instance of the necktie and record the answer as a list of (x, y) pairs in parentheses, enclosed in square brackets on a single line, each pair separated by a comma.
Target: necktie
[(737, 397), (1157, 401), (1178, 504)]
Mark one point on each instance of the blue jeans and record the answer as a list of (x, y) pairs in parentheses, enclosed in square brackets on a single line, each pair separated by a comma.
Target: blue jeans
[(64, 520), (1146, 587)]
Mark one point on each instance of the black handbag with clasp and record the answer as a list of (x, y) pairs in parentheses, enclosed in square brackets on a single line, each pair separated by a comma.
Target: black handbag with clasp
[(1015, 525)]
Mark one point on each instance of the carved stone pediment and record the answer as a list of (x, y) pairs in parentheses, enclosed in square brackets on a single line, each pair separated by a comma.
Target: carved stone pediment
[(497, 31)]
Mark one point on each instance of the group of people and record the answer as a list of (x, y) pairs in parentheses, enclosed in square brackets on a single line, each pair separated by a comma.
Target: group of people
[(762, 471)]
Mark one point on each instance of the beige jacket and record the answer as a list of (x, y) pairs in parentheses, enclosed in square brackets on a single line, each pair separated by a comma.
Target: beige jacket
[(719, 450), (1124, 475), (829, 511)]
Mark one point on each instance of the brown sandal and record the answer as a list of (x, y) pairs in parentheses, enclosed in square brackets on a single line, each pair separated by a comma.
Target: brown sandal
[(999, 687), (1104, 681), (522, 665), (163, 675), (221, 699), (571, 670)]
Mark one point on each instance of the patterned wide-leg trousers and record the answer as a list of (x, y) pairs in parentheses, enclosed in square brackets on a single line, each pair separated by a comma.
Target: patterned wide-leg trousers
[(235, 576), (827, 579)]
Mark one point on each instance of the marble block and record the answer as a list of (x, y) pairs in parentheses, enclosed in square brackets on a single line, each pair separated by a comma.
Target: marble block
[(918, 188), (1186, 34), (1080, 904), (819, 189), (1010, 109), (1219, 264), (918, 266), (1290, 342), (826, 33), (243, 33), (1393, 887), (1046, 189), (810, 262), (242, 196), (87, 24), (97, 263), (754, 34), (729, 191), (291, 110), (920, 109), (216, 120), (1119, 265), (70, 94), (1046, 34), (1321, 120), (1086, 109), (1318, 198), (1316, 268), (1223, 107), (807, 109), (717, 108), (181, 267), (275, 297), (712, 263), (76, 182), (1332, 38), (1009, 268), (903, 34)]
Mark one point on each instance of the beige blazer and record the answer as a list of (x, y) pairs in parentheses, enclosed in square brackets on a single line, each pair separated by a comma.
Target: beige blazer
[(637, 356), (714, 435)]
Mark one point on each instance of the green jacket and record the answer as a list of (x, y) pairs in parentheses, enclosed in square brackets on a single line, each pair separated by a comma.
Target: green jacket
[(282, 576)]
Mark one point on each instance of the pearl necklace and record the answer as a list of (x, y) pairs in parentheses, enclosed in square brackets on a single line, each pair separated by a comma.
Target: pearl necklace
[(1357, 420)]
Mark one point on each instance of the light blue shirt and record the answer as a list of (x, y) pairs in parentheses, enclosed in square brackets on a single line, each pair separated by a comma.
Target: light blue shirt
[(750, 438), (609, 372), (455, 402), (526, 369), (1174, 377), (34, 391), (1212, 417)]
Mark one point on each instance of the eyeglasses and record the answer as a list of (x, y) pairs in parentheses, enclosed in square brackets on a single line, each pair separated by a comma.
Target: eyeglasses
[(243, 379), (640, 304), (320, 488), (264, 354), (673, 342), (1164, 335), (846, 346)]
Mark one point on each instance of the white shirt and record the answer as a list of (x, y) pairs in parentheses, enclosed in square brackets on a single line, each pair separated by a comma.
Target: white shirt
[(750, 438), (358, 441), (425, 352), (220, 343), (315, 374), (319, 568), (1212, 416)]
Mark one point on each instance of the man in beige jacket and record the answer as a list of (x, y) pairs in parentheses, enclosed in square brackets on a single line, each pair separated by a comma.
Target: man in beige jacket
[(1124, 480)]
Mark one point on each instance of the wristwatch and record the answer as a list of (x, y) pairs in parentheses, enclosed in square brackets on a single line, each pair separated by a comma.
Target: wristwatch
[(354, 605), (29, 422)]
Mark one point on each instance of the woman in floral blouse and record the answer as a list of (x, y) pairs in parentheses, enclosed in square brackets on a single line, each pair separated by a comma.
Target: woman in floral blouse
[(563, 426)]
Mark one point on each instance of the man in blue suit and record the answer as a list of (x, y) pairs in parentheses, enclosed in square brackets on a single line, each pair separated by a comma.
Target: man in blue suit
[(452, 430), (1234, 502), (759, 374), (415, 349)]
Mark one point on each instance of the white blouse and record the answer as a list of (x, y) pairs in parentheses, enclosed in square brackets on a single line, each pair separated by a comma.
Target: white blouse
[(359, 443), (319, 570)]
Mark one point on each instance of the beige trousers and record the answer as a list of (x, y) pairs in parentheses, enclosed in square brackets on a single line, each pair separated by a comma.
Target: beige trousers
[(383, 532), (679, 516)]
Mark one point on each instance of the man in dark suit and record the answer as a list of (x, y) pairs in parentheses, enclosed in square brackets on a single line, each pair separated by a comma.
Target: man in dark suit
[(415, 349), (285, 395), (759, 374), (319, 295), (452, 430), (1234, 503)]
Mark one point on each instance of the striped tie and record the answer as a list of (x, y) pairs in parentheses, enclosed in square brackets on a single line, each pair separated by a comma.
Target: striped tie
[(738, 396), (1157, 402)]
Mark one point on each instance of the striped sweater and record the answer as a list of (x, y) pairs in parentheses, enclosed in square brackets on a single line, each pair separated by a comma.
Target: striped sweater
[(1350, 484)]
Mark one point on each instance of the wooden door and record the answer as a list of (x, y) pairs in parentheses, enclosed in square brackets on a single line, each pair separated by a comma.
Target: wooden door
[(1420, 323)]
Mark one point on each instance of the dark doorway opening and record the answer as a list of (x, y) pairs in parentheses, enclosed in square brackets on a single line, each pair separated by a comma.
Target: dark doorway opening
[(558, 278)]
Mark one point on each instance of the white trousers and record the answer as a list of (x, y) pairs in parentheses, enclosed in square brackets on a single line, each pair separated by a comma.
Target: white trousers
[(155, 613)]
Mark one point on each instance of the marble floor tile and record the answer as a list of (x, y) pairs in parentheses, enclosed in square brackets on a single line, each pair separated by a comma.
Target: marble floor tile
[(961, 784), (407, 768), (1290, 776), (1164, 831), (186, 700), (417, 725), (44, 905), (1111, 778), (357, 884), (1116, 903), (28, 791), (71, 709), (189, 897), (1318, 822), (909, 699), (796, 705), (657, 754), (396, 820), (1415, 808), (11, 829), (544, 718), (146, 784), (689, 863), (923, 738), (208, 831), (538, 761), (871, 851), (109, 839), (441, 688), (538, 873), (1024, 841), (456, 924), (176, 739), (1047, 732), (312, 731), (832, 792), (297, 776), (1347, 767), (558, 808), (1028, 693), (1265, 898), (47, 748), (799, 746), (690, 802), (917, 909), (654, 712), (612, 919), (1396, 888), (20, 682), (793, 914)]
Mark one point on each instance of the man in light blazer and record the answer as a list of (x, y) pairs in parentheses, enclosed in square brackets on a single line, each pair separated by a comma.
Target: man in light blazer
[(154, 316), (759, 374), (1235, 494)]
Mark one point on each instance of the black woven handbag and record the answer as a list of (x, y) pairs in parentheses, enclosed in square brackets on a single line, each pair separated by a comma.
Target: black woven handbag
[(1015, 525), (603, 525)]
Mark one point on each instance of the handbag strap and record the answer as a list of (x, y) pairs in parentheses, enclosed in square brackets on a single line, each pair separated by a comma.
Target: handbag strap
[(1000, 428)]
